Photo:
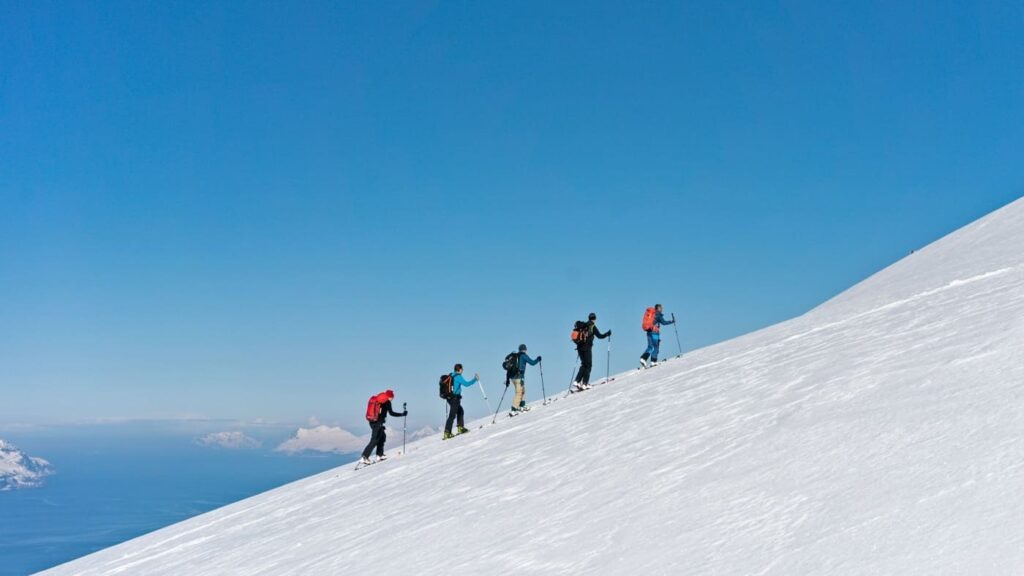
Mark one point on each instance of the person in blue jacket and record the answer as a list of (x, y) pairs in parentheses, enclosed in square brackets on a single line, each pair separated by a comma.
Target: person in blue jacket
[(518, 379), (455, 401), (654, 338)]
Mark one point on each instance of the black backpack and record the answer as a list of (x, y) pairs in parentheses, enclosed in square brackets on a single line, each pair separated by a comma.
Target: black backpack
[(511, 365), (580, 332), (446, 384)]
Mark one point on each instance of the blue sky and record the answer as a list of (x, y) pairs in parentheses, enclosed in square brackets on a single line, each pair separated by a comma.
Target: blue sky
[(274, 210)]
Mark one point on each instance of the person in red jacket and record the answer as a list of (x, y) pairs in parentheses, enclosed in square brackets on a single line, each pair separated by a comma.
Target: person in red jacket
[(377, 434)]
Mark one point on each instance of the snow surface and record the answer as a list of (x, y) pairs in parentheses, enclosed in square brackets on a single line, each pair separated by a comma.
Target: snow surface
[(19, 470), (880, 433)]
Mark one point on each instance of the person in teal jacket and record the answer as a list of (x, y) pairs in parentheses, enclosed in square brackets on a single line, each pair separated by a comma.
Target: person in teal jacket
[(455, 402), (518, 379)]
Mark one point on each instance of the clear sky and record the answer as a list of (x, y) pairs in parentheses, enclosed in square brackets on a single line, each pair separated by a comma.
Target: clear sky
[(273, 210)]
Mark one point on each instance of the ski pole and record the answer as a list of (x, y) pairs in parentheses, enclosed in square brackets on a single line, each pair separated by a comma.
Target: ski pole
[(573, 377), (608, 365), (406, 411), (676, 327), (542, 390), (499, 404), (484, 392)]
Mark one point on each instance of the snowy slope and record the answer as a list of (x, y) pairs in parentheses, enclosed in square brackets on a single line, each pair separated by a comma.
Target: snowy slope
[(881, 433)]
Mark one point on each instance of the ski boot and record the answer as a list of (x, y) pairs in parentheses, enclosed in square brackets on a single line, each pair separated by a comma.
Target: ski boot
[(463, 430), (448, 436)]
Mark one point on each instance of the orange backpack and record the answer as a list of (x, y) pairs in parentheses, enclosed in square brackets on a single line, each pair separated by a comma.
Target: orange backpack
[(649, 315)]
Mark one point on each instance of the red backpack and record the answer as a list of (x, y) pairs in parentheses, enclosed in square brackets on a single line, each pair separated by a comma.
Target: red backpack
[(649, 315), (373, 407)]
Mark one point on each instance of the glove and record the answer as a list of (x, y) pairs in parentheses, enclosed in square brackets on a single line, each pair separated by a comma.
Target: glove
[(539, 358), (609, 333), (506, 383)]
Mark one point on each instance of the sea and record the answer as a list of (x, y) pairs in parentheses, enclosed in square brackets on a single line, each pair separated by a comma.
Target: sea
[(119, 483)]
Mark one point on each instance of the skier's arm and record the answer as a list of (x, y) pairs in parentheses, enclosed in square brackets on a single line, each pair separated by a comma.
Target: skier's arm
[(393, 413), (661, 320), (462, 382), (531, 361), (601, 336)]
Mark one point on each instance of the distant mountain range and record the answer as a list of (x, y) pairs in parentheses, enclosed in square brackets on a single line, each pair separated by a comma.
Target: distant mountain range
[(19, 470)]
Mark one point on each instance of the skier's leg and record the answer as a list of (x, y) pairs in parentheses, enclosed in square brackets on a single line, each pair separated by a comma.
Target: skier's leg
[(373, 440), (518, 398), (460, 411), (587, 361), (381, 441), (452, 404), (656, 344)]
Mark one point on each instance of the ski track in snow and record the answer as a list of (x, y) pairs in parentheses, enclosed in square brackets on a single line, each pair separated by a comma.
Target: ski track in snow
[(880, 433)]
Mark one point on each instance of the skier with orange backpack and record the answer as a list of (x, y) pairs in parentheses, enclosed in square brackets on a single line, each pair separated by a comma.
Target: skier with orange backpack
[(377, 410), (653, 321)]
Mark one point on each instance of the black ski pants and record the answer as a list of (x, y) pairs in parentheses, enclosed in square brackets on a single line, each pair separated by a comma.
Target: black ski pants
[(454, 411), (586, 363), (377, 439)]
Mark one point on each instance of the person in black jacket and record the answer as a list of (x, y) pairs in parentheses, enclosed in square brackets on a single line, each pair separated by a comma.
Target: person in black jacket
[(584, 347), (377, 434)]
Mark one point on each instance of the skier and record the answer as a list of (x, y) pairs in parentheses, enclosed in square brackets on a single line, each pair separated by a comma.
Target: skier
[(517, 378), (653, 321), (585, 349), (455, 401), (376, 413)]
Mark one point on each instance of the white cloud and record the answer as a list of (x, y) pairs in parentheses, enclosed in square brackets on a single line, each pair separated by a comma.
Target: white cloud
[(230, 440), (323, 439)]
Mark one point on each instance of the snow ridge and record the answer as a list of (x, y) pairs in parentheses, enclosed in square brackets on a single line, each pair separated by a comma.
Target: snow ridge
[(879, 433)]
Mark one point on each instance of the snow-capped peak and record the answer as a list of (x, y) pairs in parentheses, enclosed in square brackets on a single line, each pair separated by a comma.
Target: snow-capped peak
[(19, 470)]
